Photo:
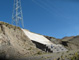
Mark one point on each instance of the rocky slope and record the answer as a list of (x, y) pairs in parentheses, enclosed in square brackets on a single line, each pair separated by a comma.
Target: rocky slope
[(71, 43), (54, 40), (14, 43)]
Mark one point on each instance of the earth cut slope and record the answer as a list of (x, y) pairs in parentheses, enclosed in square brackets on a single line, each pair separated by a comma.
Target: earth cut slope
[(14, 43)]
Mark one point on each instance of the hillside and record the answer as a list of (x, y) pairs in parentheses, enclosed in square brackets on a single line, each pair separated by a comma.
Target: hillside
[(54, 40), (72, 43), (14, 43)]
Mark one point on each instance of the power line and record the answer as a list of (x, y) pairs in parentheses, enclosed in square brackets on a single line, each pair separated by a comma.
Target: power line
[(42, 6), (51, 9)]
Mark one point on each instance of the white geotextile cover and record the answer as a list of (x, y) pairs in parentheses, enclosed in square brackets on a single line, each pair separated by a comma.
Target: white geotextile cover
[(36, 37)]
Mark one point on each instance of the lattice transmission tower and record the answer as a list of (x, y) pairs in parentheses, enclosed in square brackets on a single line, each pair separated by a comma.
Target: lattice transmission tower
[(17, 16)]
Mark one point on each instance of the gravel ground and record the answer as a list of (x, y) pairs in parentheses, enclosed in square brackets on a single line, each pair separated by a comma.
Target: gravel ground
[(52, 56)]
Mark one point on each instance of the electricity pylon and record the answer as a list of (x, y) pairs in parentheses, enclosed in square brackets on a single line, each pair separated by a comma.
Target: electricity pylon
[(17, 16)]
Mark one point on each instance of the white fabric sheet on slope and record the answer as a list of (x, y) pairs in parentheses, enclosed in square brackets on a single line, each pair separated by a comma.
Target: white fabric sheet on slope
[(37, 37)]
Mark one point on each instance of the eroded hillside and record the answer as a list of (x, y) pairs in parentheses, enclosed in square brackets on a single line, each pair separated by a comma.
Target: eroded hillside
[(14, 43)]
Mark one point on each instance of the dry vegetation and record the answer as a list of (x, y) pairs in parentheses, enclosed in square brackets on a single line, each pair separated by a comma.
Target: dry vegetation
[(9, 25)]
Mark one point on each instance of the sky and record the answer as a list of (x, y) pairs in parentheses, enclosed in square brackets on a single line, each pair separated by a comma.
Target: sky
[(55, 18)]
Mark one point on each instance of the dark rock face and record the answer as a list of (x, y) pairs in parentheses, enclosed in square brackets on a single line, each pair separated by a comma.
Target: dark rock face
[(64, 43), (42, 47)]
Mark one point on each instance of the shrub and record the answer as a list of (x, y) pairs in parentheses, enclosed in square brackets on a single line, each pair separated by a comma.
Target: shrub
[(39, 53)]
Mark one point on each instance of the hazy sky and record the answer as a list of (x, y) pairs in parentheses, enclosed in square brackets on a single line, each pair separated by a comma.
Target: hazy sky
[(56, 18)]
